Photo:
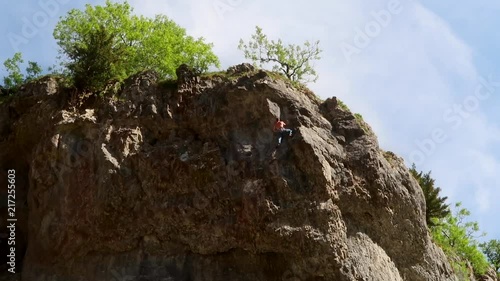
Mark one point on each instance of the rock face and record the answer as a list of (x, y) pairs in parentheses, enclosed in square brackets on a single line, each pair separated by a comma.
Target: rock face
[(490, 275), (183, 181)]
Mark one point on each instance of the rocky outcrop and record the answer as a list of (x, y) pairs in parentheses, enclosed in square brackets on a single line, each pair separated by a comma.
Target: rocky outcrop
[(491, 275), (183, 181)]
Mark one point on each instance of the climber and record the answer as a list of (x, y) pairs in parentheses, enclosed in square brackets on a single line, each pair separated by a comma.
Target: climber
[(279, 127)]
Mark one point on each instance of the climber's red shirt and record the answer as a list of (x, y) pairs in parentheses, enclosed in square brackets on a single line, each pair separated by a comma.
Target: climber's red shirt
[(279, 125)]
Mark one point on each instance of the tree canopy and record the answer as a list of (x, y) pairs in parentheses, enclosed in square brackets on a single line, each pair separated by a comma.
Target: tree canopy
[(294, 61), (457, 237), (15, 76), (93, 64), (492, 251), (126, 43)]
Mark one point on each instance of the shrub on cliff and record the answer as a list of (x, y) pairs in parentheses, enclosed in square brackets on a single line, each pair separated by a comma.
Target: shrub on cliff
[(457, 237), (451, 232), (435, 205), (292, 60), (130, 44)]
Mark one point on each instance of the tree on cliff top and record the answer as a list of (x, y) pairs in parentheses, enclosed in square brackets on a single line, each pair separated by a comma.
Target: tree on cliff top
[(93, 64), (292, 60), (16, 77), (132, 43)]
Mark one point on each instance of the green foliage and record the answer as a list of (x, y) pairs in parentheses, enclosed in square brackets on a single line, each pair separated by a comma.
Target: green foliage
[(359, 119), (93, 65), (4, 96), (492, 251), (221, 74), (390, 157), (460, 268), (131, 44), (435, 205), (451, 232), (342, 105), (292, 60), (15, 77), (33, 70), (456, 237)]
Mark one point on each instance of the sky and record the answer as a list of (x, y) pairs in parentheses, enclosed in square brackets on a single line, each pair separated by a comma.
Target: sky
[(424, 74)]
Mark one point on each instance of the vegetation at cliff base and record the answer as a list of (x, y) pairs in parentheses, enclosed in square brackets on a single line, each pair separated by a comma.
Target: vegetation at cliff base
[(492, 251), (109, 42), (457, 236)]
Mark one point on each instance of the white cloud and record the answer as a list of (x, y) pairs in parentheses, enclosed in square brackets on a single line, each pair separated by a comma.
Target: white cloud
[(402, 82)]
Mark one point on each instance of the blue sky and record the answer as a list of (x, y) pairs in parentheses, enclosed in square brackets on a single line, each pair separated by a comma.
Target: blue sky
[(424, 74)]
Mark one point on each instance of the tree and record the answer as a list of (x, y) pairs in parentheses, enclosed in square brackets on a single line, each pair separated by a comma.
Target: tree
[(456, 236), (33, 70), (134, 43), (435, 205), (492, 251), (93, 64), (16, 77), (292, 60)]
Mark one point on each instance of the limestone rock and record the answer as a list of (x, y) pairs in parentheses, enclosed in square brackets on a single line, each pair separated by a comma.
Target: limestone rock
[(185, 183), (240, 69)]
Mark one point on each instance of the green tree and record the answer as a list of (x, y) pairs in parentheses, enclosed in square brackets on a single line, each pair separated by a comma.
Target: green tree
[(292, 60), (95, 63), (435, 205), (33, 70), (492, 251), (141, 42), (457, 237), (15, 77)]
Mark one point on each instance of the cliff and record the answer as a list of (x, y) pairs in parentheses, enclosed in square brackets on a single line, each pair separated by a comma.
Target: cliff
[(182, 180)]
